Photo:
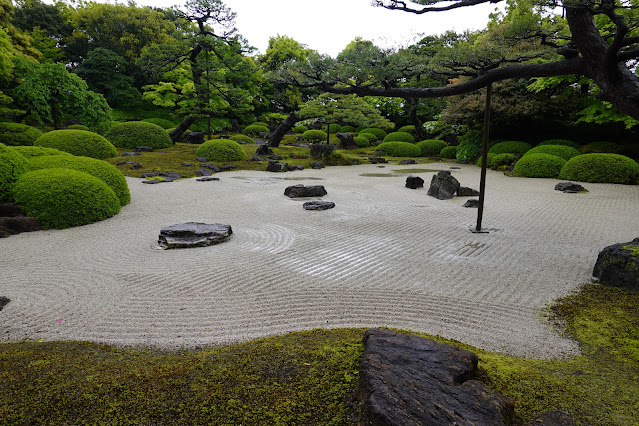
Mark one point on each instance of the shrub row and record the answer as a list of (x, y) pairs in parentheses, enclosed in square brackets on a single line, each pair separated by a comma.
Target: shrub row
[(15, 134)]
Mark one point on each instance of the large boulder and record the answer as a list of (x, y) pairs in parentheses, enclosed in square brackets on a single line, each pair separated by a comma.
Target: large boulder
[(300, 191), (320, 151), (411, 380), (194, 137), (14, 221), (414, 182), (346, 140), (193, 234), (618, 265), (443, 185)]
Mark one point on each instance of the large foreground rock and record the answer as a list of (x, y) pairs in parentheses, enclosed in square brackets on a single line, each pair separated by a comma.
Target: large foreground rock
[(410, 380), (14, 221), (193, 234), (300, 191), (443, 185), (618, 265), (414, 182)]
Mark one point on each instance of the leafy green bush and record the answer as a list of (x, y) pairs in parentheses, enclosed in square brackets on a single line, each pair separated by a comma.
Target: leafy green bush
[(431, 147), (12, 165), (399, 137), (98, 168), (242, 138), (400, 149), (510, 147), (334, 128), (78, 127), (449, 152), (15, 134), (563, 151), (602, 147), (469, 146), (218, 124), (138, 133), (539, 166), (371, 137), (348, 129), (564, 142), (255, 129), (500, 160), (78, 142), (361, 141), (223, 150), (162, 122), (601, 167), (408, 129), (314, 135), (62, 198), (381, 134), (259, 123), (38, 151), (300, 129)]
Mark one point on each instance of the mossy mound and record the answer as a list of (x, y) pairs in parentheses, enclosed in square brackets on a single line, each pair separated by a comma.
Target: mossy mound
[(510, 147), (12, 165), (131, 134), (255, 129), (314, 135), (399, 137), (564, 142), (563, 151), (16, 134), (602, 147), (407, 129), (539, 166), (400, 149), (602, 168), (38, 151), (300, 129), (78, 142), (62, 198), (348, 129), (431, 147), (78, 127), (162, 122), (223, 150), (449, 152), (371, 137), (379, 133), (98, 168), (361, 141), (242, 138)]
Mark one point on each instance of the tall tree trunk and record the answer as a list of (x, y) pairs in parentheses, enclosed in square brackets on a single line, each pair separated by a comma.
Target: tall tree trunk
[(176, 134), (414, 119), (286, 125)]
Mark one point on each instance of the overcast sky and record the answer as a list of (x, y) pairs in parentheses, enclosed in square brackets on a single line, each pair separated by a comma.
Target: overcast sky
[(329, 25)]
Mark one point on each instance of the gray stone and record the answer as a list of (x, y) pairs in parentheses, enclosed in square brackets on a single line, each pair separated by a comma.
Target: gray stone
[(193, 234), (552, 418), (129, 154), (4, 301), (228, 167), (13, 225), (143, 149), (203, 172), (256, 158), (320, 151), (187, 164), (376, 160), (275, 157), (212, 166), (9, 209), (414, 182), (317, 165), (301, 191), (194, 137), (569, 187), (443, 185), (618, 265), (295, 167), (207, 179), (168, 176), (318, 205), (346, 140), (276, 166), (263, 150), (134, 164), (411, 380), (201, 159), (467, 192), (473, 204), (407, 161)]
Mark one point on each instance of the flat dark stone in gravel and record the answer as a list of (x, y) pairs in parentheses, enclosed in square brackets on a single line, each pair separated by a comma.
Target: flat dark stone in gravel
[(3, 302), (193, 234), (203, 172), (228, 167), (301, 191), (407, 161), (318, 205), (207, 179), (569, 187), (473, 204)]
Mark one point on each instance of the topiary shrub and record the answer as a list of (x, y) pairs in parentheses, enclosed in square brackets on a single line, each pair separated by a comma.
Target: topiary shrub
[(255, 129), (38, 151), (221, 150), (601, 167), (259, 123), (348, 129), (78, 127), (489, 158), (564, 142), (242, 138), (78, 142), (400, 149), (399, 137), (138, 133), (498, 161), (300, 129), (104, 171), (469, 146), (510, 147), (361, 141), (371, 137), (602, 147), (334, 128), (162, 122), (563, 151), (431, 147), (539, 166), (314, 135), (16, 134), (407, 129), (449, 152), (381, 134), (12, 165)]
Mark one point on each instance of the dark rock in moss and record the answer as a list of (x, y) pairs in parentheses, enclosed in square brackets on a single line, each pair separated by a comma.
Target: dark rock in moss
[(130, 154), (263, 150), (194, 137), (552, 418), (316, 165), (168, 176), (407, 161), (618, 265), (187, 164), (276, 167), (143, 149), (318, 205), (201, 159), (346, 140), (443, 185), (301, 191), (203, 172), (376, 160), (3, 302), (275, 157), (193, 234), (256, 158), (414, 182), (228, 167), (212, 166), (134, 164)]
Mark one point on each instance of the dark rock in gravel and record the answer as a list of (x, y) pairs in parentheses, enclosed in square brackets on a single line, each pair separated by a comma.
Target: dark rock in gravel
[(376, 160), (143, 149), (3, 302), (187, 164), (317, 165), (552, 418), (455, 168), (276, 166), (414, 182), (618, 265), (473, 204), (256, 158), (263, 150), (569, 187), (207, 179), (193, 234), (129, 154), (194, 137), (17, 224), (467, 192), (443, 185), (212, 166), (301, 191), (155, 182), (318, 205), (134, 164), (203, 172), (407, 161), (411, 380), (201, 159), (296, 167), (168, 176), (228, 167)]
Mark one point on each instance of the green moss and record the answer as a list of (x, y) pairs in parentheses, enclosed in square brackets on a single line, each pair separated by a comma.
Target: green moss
[(242, 138), (12, 165), (78, 142), (221, 150), (15, 134), (131, 134), (38, 151)]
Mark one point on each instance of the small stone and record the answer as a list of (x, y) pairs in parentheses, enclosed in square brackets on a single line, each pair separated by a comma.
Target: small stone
[(414, 182), (407, 161), (193, 234), (569, 187), (467, 192), (228, 167), (154, 182), (129, 154), (143, 149), (317, 165), (256, 158), (201, 159), (187, 164), (212, 166), (203, 172), (301, 191), (473, 204), (375, 160), (4, 301), (134, 164), (207, 179), (168, 176), (318, 205)]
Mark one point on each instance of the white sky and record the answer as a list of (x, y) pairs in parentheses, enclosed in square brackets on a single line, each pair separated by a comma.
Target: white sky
[(329, 25)]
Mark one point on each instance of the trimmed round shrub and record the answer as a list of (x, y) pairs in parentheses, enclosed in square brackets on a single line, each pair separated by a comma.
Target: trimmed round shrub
[(78, 127), (400, 149), (300, 129), (16, 134), (510, 147), (162, 122), (449, 152), (361, 141), (223, 150), (334, 128), (539, 166), (242, 138), (500, 160), (601, 167), (602, 147), (130, 134), (62, 198), (104, 171), (399, 137), (381, 134), (314, 135), (259, 123), (564, 142), (38, 151), (407, 129), (565, 152), (348, 129), (431, 147), (12, 165), (78, 142), (371, 137), (255, 129)]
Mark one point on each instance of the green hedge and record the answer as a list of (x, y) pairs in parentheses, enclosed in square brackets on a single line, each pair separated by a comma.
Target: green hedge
[(510, 147), (78, 142), (564, 142), (12, 165), (605, 168), (162, 122), (16, 134), (242, 138), (602, 147), (400, 149), (469, 146), (38, 151), (563, 151), (314, 135), (255, 129), (431, 147), (78, 127), (62, 198), (407, 129), (371, 137), (223, 150), (399, 137), (449, 152), (104, 171), (381, 134), (131, 134), (300, 129), (361, 141), (348, 129), (499, 160), (539, 166)]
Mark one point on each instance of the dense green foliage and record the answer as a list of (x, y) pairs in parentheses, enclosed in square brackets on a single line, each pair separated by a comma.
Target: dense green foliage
[(449, 152), (78, 127), (565, 152), (255, 129), (469, 146), (431, 147), (162, 122), (138, 133), (539, 166), (407, 129), (314, 135), (371, 137), (361, 141), (379, 133), (15, 134), (400, 149), (101, 169), (500, 160), (602, 147), (510, 147), (223, 150), (38, 151), (242, 138), (62, 198), (78, 142), (300, 129), (333, 127), (564, 142), (399, 137), (348, 129), (601, 167), (12, 165)]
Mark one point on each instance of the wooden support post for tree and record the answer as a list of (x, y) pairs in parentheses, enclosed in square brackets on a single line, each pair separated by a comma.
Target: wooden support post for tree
[(484, 160)]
